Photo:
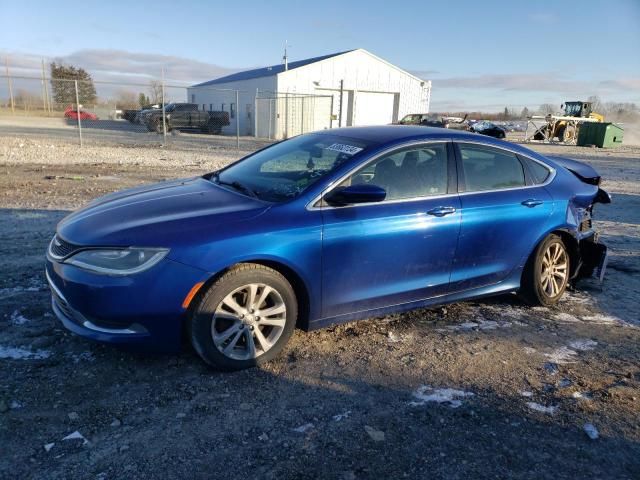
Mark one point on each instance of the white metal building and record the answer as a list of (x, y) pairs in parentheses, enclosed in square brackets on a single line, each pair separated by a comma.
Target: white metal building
[(342, 89)]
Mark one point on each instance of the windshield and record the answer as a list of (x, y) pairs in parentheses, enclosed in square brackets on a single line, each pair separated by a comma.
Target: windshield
[(286, 169)]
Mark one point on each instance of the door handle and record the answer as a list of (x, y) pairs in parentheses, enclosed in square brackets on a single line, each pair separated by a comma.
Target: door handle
[(532, 202), (441, 211)]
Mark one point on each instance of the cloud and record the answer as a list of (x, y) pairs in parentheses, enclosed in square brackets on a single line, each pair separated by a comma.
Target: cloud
[(124, 66), (424, 74)]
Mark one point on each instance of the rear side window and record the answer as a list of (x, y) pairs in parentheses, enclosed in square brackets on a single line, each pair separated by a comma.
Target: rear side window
[(538, 171), (486, 168)]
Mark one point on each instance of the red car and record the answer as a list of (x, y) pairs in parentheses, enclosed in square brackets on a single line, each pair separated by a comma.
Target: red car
[(71, 113)]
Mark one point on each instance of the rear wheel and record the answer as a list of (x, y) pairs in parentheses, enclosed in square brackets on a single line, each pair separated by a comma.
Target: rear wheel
[(245, 318), (546, 274)]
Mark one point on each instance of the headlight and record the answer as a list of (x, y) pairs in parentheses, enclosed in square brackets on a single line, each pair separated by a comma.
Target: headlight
[(124, 261)]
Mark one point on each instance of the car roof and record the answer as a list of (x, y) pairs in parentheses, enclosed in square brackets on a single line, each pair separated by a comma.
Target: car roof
[(390, 134)]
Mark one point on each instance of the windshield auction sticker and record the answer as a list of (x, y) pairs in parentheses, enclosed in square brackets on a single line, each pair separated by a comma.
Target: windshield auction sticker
[(340, 147)]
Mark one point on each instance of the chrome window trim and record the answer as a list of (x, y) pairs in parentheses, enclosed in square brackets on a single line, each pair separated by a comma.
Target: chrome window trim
[(310, 205)]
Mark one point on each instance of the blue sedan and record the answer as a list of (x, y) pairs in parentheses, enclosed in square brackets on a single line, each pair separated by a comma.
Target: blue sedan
[(320, 229)]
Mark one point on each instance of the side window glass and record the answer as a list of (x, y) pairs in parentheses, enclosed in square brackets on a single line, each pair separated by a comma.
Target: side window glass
[(539, 172), (407, 173), (487, 168)]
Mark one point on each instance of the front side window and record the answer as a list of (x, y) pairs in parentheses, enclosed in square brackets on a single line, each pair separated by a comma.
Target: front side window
[(486, 168), (286, 169), (407, 173)]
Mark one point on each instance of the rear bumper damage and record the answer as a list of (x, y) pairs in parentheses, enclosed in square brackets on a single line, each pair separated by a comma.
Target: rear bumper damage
[(594, 256)]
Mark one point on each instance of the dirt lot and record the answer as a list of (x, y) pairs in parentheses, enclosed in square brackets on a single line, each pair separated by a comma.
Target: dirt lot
[(488, 389)]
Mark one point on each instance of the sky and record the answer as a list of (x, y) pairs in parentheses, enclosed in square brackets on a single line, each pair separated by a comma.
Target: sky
[(480, 55)]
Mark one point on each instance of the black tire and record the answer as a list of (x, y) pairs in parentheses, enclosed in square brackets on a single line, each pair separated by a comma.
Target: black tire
[(533, 288), (201, 326)]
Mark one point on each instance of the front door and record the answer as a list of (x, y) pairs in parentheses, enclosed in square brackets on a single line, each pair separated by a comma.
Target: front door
[(399, 250)]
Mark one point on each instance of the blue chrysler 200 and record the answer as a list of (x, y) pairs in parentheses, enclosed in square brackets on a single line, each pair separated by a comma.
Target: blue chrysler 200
[(320, 229)]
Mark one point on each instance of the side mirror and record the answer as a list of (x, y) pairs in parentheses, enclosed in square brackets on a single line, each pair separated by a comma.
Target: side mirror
[(354, 194)]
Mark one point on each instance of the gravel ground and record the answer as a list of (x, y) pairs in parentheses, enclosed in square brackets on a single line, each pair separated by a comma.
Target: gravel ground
[(488, 389)]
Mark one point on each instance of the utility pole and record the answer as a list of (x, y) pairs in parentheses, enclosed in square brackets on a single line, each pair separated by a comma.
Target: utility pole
[(341, 98), (46, 89), (78, 112), (285, 58), (164, 121), (6, 64)]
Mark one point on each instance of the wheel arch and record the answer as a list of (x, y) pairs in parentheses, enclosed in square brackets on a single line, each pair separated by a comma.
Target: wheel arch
[(296, 281), (570, 242)]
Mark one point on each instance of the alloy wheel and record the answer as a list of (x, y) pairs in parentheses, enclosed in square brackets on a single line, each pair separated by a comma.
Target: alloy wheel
[(553, 276), (248, 321)]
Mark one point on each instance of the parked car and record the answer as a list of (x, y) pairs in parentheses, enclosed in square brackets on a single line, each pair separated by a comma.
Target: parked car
[(72, 113), (180, 116), (320, 229), (429, 120), (423, 119), (488, 128)]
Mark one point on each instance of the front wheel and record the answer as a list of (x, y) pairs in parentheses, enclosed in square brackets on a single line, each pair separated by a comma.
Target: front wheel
[(244, 319), (546, 274)]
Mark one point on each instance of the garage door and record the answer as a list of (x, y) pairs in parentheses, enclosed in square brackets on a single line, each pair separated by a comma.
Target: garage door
[(373, 108)]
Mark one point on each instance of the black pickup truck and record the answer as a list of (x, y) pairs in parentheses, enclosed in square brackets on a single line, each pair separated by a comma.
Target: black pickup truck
[(179, 116)]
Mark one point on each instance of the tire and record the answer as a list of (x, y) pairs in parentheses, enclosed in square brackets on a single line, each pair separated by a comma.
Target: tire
[(226, 312), (157, 126), (539, 287), (569, 134)]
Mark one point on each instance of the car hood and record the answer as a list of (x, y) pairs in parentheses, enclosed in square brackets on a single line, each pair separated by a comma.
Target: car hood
[(162, 215)]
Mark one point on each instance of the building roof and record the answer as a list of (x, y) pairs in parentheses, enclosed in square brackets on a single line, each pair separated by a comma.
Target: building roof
[(267, 71)]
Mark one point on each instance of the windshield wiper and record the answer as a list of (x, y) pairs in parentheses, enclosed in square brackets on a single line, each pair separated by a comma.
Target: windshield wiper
[(235, 184)]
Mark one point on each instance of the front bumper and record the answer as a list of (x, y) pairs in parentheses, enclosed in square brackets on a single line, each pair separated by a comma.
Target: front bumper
[(142, 310)]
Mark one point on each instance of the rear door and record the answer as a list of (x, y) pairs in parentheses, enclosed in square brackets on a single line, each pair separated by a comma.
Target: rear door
[(399, 250), (503, 212)]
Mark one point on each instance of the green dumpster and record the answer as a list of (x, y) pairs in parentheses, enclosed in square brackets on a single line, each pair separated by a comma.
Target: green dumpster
[(600, 134)]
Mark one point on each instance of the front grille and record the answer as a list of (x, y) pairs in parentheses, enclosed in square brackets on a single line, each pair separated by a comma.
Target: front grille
[(60, 248)]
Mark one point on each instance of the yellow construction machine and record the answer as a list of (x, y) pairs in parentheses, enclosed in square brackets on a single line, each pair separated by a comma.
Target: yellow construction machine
[(562, 127)]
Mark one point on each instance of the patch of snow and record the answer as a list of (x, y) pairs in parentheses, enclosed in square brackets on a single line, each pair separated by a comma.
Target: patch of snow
[(342, 416), (17, 353), (49, 446), (526, 393), (601, 319), (374, 434), (551, 409), (529, 350), (581, 396), (450, 396), (303, 428), (583, 345), (566, 318), (562, 355), (393, 338), (18, 319), (591, 431), (14, 405), (76, 436)]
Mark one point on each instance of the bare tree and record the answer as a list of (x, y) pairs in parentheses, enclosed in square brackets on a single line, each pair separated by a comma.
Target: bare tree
[(126, 99), (155, 89), (546, 109)]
